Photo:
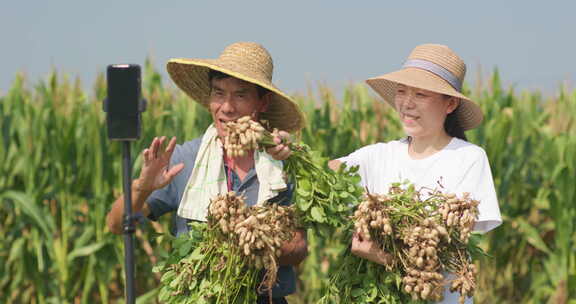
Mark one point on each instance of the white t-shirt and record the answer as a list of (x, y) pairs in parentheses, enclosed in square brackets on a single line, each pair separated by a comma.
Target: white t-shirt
[(459, 167)]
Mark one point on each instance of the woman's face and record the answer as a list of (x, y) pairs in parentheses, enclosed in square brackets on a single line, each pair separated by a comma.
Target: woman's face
[(422, 112)]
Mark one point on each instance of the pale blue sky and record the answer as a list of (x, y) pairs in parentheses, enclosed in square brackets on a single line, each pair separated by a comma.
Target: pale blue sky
[(334, 42)]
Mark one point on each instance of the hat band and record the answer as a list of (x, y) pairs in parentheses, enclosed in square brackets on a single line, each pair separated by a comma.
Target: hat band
[(436, 69)]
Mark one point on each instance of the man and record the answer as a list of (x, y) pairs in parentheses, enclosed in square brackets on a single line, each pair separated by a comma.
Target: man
[(184, 177)]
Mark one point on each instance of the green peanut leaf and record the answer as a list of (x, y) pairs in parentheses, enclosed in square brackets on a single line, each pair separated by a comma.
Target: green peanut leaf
[(185, 248), (196, 254), (302, 192), (317, 214), (305, 184), (304, 205), (357, 292)]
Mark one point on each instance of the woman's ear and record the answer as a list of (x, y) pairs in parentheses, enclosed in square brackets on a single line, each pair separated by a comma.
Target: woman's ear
[(453, 103)]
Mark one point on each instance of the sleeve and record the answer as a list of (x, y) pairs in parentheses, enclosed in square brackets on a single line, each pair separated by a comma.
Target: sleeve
[(165, 200), (360, 158), (479, 183), (284, 198)]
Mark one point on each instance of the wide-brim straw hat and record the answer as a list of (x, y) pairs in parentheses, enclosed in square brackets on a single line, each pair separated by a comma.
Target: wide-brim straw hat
[(247, 61), (435, 68)]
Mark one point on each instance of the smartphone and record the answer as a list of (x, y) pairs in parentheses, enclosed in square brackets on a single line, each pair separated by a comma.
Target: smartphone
[(124, 102)]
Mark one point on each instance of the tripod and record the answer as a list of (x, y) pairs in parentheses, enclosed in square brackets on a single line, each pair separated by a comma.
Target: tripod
[(124, 105)]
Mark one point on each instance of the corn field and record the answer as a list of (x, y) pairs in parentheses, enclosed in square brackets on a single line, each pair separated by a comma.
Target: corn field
[(59, 176)]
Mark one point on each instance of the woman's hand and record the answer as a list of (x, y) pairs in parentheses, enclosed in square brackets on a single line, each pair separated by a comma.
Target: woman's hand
[(281, 151), (156, 172), (369, 250)]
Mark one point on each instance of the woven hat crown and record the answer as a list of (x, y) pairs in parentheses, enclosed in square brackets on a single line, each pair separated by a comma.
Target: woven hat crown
[(247, 61), (249, 58), (442, 56), (436, 68)]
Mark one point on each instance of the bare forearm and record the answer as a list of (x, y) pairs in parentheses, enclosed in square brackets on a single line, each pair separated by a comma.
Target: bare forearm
[(116, 214), (334, 164), (294, 251)]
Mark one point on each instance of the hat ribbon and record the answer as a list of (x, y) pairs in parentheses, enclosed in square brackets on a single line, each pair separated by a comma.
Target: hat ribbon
[(436, 69)]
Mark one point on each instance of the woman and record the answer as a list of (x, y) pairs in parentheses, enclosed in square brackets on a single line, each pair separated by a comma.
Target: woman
[(434, 113)]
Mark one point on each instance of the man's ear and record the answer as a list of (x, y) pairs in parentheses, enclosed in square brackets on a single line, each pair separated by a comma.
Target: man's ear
[(266, 100), (453, 103), (263, 107)]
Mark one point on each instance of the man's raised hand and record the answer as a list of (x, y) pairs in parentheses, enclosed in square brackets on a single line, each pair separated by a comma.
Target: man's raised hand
[(156, 172)]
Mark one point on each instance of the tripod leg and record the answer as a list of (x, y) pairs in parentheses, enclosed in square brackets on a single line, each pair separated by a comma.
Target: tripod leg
[(129, 226)]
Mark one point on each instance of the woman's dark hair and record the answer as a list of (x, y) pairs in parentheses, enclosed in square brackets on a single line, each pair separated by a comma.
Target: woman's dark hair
[(212, 74), (452, 126)]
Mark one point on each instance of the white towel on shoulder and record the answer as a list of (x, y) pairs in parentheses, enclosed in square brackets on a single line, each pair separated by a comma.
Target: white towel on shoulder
[(208, 178)]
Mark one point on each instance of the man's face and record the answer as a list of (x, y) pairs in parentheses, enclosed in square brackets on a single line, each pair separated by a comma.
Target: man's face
[(232, 98)]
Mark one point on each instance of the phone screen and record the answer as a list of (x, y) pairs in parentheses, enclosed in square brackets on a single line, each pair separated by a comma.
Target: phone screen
[(123, 89)]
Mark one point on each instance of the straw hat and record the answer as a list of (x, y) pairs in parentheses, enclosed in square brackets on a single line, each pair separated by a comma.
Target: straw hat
[(435, 68), (247, 61)]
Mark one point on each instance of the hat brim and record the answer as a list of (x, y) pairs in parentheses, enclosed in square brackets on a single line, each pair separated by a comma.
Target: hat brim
[(468, 112), (191, 76)]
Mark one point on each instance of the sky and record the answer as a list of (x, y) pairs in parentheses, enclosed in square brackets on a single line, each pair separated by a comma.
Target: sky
[(333, 43)]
